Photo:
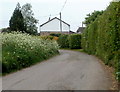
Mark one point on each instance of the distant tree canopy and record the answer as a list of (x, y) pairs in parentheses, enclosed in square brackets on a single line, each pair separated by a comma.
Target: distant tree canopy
[(29, 20), (91, 17), (22, 20), (16, 22)]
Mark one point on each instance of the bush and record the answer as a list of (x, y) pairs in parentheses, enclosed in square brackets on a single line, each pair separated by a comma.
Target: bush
[(75, 41), (55, 38), (102, 37), (55, 34), (22, 50), (5, 30), (63, 41), (47, 37)]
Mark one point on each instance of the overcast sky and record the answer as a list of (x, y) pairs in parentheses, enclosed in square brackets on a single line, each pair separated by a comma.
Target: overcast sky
[(73, 13)]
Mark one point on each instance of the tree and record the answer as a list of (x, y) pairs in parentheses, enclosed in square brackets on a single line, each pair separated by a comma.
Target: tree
[(16, 22), (91, 17), (29, 20)]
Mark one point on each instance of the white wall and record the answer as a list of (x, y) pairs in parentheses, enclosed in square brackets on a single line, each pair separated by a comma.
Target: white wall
[(54, 25)]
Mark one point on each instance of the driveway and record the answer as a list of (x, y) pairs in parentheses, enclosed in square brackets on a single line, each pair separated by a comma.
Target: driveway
[(71, 70)]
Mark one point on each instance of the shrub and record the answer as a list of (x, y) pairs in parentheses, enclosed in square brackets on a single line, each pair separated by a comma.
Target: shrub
[(47, 37), (55, 34), (75, 41), (102, 37), (3, 30), (63, 41), (55, 38), (22, 50)]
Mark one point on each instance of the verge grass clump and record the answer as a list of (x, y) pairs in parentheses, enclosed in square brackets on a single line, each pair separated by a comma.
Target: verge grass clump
[(22, 50)]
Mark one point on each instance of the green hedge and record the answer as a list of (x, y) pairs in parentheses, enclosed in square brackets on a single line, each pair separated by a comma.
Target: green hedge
[(72, 41), (63, 41), (75, 41), (22, 50), (102, 37), (47, 37), (55, 34)]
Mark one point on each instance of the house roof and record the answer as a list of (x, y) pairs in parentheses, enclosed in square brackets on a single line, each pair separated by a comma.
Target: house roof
[(80, 29), (71, 31), (53, 19)]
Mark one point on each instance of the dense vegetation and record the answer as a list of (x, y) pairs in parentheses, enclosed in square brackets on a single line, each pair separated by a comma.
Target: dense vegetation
[(55, 34), (16, 22), (75, 41), (22, 20), (102, 37), (91, 17), (45, 37), (29, 19), (63, 41), (49, 37), (72, 41), (22, 50)]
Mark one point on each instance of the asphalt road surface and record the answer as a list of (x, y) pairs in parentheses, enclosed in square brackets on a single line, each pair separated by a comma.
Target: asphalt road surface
[(71, 70)]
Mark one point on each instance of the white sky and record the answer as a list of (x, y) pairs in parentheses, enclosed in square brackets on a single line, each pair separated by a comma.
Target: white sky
[(73, 13)]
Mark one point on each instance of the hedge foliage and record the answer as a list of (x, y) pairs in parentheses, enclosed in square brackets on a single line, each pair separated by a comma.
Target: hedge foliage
[(102, 37), (55, 34), (63, 41), (47, 37), (72, 41), (75, 41), (22, 50)]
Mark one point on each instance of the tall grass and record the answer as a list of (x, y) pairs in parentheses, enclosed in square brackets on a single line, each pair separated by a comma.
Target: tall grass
[(22, 50)]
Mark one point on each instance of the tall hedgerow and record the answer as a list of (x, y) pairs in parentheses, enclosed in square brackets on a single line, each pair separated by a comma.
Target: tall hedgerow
[(102, 37), (72, 41), (63, 41), (75, 41)]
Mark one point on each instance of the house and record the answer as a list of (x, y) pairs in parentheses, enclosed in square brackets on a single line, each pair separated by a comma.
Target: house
[(80, 30), (54, 25)]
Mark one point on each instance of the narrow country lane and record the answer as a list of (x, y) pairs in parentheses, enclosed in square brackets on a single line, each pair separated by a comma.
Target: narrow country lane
[(71, 70)]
